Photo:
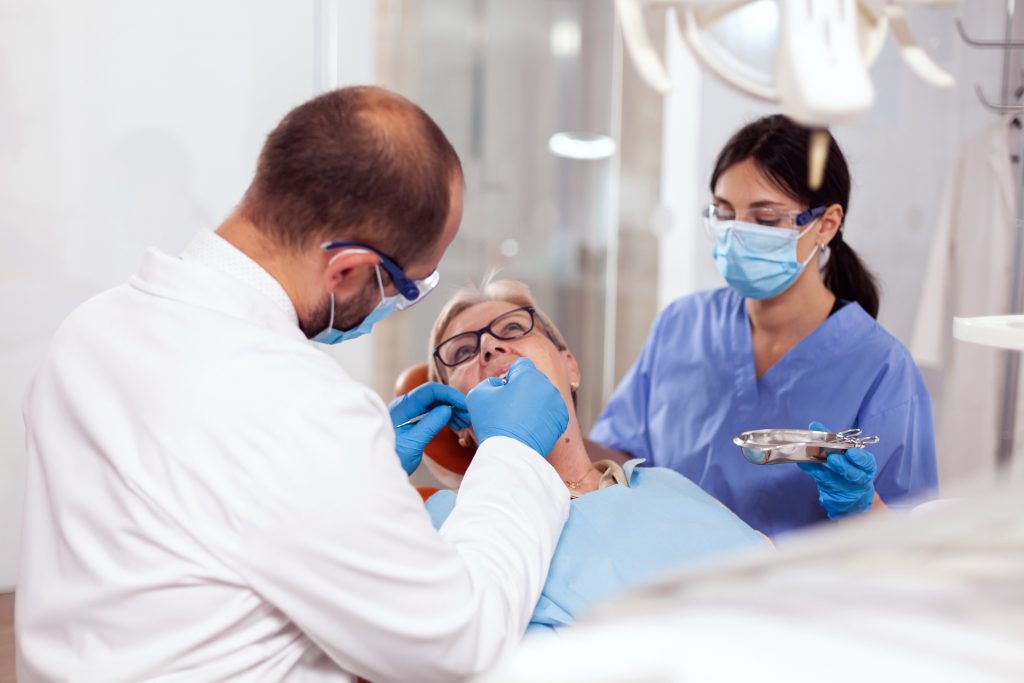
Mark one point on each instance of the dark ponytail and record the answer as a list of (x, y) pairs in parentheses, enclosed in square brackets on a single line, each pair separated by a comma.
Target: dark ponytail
[(849, 278), (780, 148)]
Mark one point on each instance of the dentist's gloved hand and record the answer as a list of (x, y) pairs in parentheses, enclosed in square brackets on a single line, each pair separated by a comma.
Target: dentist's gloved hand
[(526, 407), (846, 482), (441, 404)]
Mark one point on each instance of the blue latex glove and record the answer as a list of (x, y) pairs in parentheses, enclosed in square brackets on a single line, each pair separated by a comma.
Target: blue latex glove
[(440, 404), (846, 482), (526, 407)]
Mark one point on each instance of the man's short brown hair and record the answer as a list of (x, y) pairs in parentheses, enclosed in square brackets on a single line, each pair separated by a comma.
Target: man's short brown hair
[(357, 163)]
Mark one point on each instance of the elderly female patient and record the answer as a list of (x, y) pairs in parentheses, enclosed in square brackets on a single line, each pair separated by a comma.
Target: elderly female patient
[(626, 523)]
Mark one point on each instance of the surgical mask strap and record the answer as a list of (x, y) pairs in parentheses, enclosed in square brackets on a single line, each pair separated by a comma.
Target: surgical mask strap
[(380, 282), (807, 229), (803, 264), (817, 247), (380, 285), (330, 321)]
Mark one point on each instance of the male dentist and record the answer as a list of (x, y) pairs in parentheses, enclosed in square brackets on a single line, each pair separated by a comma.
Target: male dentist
[(211, 498)]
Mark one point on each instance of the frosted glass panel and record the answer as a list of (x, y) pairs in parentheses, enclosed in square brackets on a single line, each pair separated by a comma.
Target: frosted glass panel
[(500, 78)]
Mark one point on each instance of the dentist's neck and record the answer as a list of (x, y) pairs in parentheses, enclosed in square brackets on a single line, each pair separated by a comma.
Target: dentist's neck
[(295, 272)]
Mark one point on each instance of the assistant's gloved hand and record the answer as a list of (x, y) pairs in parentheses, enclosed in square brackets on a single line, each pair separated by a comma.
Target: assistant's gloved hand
[(846, 482), (526, 407), (441, 404)]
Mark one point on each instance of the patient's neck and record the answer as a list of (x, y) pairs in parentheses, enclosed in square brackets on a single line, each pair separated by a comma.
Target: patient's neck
[(569, 458)]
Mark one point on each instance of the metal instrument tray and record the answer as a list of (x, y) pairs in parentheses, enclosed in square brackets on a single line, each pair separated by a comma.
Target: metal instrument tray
[(772, 446)]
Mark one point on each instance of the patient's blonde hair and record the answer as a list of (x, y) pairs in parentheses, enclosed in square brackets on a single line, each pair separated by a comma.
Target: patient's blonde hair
[(511, 291)]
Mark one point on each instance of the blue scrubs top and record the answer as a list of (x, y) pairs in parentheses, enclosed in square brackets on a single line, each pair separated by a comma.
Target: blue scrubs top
[(618, 537), (694, 388)]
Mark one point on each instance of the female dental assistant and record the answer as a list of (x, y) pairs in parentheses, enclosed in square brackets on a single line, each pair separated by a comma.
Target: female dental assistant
[(784, 345)]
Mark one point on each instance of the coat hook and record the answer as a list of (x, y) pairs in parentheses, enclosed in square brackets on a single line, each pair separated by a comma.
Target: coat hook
[(986, 43)]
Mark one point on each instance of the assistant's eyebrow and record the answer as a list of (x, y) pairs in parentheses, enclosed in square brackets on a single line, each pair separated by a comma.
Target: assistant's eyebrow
[(722, 200), (765, 203)]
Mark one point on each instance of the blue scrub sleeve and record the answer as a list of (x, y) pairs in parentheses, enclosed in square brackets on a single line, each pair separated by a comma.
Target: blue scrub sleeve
[(623, 422), (905, 454)]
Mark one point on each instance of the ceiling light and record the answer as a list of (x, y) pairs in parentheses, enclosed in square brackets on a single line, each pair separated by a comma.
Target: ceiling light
[(587, 146)]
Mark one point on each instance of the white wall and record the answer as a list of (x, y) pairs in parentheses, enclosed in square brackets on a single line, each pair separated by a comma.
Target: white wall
[(127, 124)]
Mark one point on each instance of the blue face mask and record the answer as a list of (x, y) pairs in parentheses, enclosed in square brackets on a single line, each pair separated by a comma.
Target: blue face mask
[(758, 262), (386, 307)]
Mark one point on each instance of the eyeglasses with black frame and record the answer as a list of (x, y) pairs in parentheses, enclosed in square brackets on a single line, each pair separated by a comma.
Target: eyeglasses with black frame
[(463, 347)]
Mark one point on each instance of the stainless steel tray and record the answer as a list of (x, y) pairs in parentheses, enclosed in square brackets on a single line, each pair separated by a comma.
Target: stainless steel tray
[(772, 446)]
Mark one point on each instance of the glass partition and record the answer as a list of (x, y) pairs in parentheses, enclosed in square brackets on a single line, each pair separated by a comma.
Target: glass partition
[(502, 78)]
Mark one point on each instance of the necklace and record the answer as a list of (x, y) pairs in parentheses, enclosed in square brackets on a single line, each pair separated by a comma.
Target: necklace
[(574, 485)]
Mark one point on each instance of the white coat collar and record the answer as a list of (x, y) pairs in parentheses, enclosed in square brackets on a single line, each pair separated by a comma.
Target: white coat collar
[(214, 274), (214, 251)]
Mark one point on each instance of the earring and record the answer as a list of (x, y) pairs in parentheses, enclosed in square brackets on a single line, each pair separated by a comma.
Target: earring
[(574, 386)]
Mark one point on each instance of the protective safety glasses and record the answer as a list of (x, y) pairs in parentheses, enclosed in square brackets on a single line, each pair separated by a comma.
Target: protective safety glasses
[(769, 217), (412, 291), (506, 327)]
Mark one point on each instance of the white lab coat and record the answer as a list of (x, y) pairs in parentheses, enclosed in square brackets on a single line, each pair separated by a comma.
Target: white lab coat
[(211, 498), (969, 274)]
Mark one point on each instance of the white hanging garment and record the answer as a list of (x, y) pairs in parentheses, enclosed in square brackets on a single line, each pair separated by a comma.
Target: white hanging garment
[(969, 274)]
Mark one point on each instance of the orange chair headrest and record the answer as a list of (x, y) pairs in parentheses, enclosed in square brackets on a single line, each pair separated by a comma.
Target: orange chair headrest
[(413, 376), (444, 449), (426, 492)]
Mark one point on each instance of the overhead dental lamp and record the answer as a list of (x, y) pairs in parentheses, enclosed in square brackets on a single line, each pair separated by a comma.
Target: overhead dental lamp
[(825, 48)]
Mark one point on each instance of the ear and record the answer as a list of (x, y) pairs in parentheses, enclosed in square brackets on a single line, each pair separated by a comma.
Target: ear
[(572, 367), (829, 223), (346, 271)]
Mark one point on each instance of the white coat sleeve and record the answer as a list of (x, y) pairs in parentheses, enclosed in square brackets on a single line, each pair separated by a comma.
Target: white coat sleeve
[(933, 324), (335, 537)]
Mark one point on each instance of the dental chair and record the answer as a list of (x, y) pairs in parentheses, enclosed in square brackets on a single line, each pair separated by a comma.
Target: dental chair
[(444, 457)]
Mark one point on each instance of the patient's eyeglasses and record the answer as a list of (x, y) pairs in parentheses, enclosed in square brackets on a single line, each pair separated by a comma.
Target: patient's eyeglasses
[(506, 327)]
